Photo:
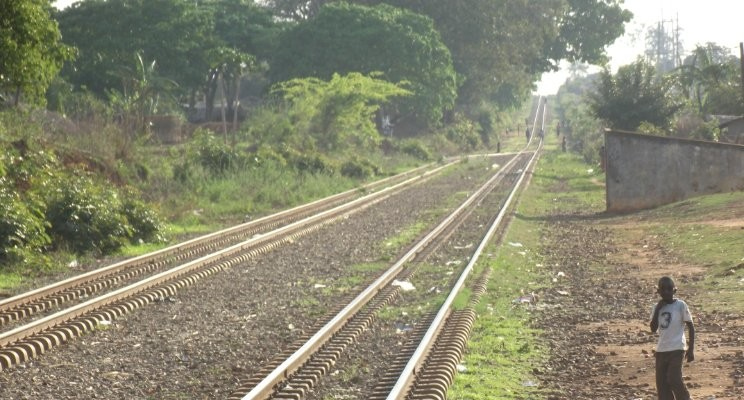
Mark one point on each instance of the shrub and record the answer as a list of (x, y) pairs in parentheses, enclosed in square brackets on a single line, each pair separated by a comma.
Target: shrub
[(266, 154), (359, 169), (213, 154), (417, 150), (464, 133), (310, 162), (85, 217), (145, 223), (22, 226)]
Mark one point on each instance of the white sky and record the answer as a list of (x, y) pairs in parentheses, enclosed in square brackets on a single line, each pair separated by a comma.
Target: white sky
[(700, 21)]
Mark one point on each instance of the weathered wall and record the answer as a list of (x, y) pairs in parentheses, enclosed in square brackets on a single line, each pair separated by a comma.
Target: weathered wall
[(646, 171)]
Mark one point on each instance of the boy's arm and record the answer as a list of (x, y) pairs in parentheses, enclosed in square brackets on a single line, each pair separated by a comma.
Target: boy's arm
[(691, 348), (655, 318)]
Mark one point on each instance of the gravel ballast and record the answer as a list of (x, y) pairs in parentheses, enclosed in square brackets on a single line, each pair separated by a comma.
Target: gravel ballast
[(197, 344)]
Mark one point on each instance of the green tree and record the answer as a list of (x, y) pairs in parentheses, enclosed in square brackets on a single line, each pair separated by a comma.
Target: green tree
[(500, 47), (141, 91), (709, 78), (402, 45), (31, 51), (175, 33), (632, 96), (339, 112)]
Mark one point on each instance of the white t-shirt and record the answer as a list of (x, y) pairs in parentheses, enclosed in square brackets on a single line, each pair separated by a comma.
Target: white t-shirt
[(672, 318)]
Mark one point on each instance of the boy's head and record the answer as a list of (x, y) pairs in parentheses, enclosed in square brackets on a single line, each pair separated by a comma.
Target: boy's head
[(666, 288)]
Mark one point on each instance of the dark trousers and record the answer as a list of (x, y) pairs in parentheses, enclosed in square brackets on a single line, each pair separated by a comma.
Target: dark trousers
[(669, 384)]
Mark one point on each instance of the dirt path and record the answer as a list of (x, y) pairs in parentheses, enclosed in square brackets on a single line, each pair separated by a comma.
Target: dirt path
[(604, 272)]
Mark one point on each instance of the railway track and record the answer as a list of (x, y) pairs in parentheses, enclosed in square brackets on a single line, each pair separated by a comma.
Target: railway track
[(180, 265), (25, 305), (426, 366), (19, 347)]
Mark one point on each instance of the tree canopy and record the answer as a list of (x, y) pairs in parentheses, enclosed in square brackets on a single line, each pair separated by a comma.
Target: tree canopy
[(179, 35), (632, 96), (338, 112), (401, 45), (709, 77), (500, 47), (109, 33), (30, 47)]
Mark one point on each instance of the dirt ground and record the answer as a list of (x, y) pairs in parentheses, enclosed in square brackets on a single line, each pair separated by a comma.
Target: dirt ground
[(595, 316)]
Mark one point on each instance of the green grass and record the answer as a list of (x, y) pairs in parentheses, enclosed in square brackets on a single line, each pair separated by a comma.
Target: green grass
[(9, 280), (691, 230), (503, 349)]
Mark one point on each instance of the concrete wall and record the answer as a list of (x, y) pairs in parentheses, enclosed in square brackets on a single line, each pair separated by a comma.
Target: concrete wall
[(646, 171)]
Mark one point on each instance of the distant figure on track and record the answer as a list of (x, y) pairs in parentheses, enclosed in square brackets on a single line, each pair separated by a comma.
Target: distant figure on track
[(669, 317)]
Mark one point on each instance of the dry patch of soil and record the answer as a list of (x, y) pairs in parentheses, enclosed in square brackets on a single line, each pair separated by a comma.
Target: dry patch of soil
[(595, 315)]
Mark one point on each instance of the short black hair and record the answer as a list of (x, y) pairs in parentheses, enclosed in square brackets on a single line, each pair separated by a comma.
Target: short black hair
[(666, 279)]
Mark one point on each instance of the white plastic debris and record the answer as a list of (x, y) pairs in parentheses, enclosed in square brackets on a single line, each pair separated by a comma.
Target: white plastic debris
[(405, 286), (319, 286), (461, 368), (516, 244), (73, 264)]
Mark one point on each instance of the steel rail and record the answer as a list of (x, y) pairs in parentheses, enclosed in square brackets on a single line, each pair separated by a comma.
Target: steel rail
[(265, 388), (407, 377), (22, 332), (169, 252)]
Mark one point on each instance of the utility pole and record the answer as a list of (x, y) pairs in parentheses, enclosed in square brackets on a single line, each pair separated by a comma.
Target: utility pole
[(741, 61)]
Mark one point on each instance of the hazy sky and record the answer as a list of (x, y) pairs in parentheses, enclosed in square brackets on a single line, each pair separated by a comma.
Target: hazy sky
[(700, 21)]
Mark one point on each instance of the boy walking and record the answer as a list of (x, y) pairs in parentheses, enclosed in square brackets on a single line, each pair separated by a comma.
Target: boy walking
[(669, 317)]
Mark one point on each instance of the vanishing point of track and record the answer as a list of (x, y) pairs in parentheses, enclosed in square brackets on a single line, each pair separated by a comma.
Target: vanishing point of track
[(426, 366)]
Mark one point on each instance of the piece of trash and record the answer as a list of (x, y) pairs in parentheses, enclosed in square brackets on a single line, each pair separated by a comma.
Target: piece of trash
[(319, 286), (590, 171), (516, 244), (467, 246), (526, 299), (461, 368), (402, 327), (434, 289), (290, 327), (406, 286), (104, 322), (560, 274), (529, 384), (453, 262), (562, 292), (73, 264)]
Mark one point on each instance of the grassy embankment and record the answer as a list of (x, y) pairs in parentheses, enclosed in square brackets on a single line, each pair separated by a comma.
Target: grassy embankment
[(503, 348)]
